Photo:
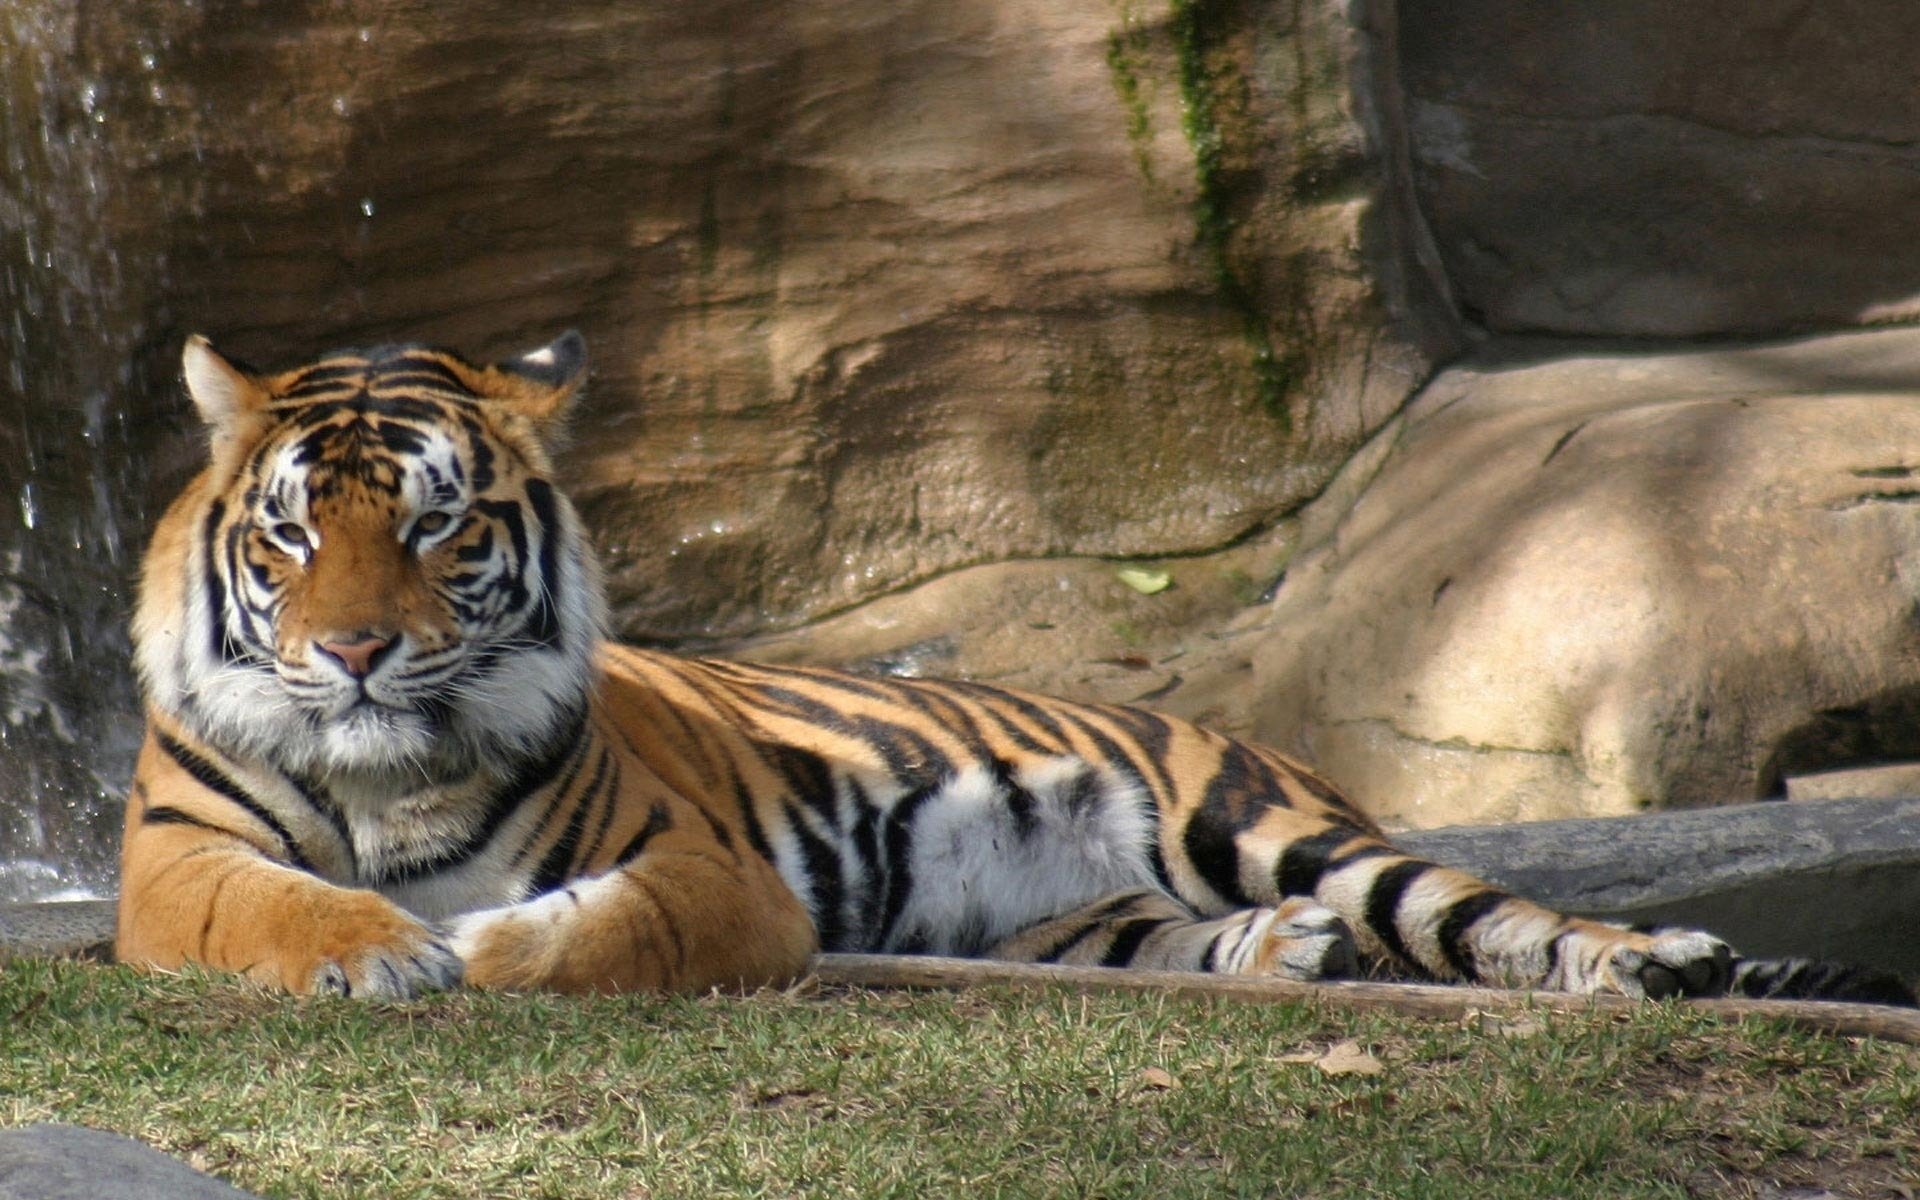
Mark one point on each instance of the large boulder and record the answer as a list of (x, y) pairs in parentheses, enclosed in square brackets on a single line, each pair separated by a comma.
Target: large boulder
[(72, 1162), (1578, 584), (1657, 169)]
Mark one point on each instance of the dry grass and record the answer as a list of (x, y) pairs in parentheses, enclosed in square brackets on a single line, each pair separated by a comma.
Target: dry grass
[(844, 1092)]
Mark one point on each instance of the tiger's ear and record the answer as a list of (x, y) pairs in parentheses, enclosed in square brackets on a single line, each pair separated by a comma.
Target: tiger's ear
[(222, 392), (539, 386)]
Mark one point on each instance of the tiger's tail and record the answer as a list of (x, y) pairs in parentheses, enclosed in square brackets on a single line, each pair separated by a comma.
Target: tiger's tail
[(1813, 979)]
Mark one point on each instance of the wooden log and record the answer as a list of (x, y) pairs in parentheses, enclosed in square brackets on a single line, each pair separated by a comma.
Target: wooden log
[(1425, 1000)]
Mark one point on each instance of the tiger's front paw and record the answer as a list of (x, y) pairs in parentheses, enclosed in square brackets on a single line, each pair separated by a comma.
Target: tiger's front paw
[(370, 948), (1651, 966), (516, 946)]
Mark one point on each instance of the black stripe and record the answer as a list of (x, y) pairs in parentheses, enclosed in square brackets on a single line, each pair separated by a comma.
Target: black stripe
[(806, 775), (1115, 755), (658, 822), (865, 841), (533, 774), (1153, 735), (401, 439), (1209, 956), (1383, 904), (212, 778), (947, 711), (610, 804), (1034, 713), (417, 378), (826, 889), (1127, 939), (558, 865), (1213, 852), (1458, 923), (479, 447), (163, 814), (543, 627), (1553, 954), (569, 773), (756, 836), (1093, 921), (1021, 805), (897, 872), (224, 650), (1008, 728), (323, 803), (1306, 859)]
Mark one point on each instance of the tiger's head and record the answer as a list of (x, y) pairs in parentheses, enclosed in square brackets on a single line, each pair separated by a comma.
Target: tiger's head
[(374, 575)]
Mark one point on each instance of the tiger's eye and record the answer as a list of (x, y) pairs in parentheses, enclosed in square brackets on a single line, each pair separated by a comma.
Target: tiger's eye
[(431, 523), (290, 533)]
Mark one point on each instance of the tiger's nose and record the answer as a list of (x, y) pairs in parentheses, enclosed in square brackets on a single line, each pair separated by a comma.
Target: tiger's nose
[(359, 655)]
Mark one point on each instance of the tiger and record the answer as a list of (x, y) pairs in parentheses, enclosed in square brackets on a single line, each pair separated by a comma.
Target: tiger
[(389, 749)]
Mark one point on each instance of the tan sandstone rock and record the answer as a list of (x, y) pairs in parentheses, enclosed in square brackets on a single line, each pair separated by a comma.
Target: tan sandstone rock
[(873, 292), (1570, 581), (1585, 583)]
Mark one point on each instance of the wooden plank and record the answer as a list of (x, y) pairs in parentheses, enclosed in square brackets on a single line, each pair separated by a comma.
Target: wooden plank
[(1432, 1001)]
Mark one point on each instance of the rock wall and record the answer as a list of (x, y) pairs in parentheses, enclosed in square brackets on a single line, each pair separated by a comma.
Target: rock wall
[(874, 292), (1669, 170)]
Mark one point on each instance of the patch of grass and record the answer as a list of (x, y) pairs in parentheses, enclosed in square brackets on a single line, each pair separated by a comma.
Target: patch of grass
[(847, 1092)]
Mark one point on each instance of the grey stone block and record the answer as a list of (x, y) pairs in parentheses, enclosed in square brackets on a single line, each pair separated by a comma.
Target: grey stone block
[(1829, 879), (68, 1162), (59, 929)]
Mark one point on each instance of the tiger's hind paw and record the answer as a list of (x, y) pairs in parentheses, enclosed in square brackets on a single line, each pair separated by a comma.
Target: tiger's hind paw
[(1681, 962), (1299, 940)]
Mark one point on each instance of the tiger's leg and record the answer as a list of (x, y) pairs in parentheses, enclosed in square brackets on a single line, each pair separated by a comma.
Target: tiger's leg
[(1149, 930), (1445, 924), (193, 889), (679, 908)]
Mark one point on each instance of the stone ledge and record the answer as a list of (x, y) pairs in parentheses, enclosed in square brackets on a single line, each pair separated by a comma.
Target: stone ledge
[(1833, 879), (58, 929)]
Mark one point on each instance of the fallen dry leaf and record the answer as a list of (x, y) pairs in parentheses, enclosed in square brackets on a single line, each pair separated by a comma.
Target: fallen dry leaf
[(1347, 1058), (1156, 1079)]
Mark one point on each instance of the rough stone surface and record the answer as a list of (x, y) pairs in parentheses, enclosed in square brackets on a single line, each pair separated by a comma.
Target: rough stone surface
[(68, 1162), (58, 929), (1592, 583), (873, 292), (1654, 169), (1571, 581), (1835, 879)]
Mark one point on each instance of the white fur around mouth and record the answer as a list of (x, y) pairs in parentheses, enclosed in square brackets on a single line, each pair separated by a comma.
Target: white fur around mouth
[(370, 736)]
